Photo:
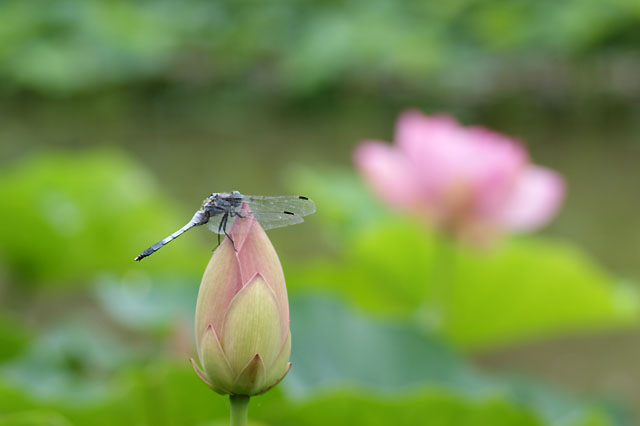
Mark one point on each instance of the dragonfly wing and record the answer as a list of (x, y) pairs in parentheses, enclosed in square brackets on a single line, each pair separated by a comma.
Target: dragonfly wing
[(215, 221), (270, 212), (270, 220), (300, 206)]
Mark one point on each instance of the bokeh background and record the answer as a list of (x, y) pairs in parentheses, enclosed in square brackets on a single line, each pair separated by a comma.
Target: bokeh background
[(117, 118)]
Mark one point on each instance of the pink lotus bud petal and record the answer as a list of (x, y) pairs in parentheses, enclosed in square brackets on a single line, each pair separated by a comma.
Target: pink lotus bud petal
[(221, 282), (242, 314), (205, 379), (281, 364), (214, 361), (278, 379), (256, 255), (537, 196)]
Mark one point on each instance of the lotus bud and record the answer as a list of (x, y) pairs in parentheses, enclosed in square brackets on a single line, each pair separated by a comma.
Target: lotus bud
[(242, 315)]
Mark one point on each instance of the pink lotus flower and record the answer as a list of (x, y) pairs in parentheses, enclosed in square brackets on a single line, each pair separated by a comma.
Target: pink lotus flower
[(469, 181), (242, 315)]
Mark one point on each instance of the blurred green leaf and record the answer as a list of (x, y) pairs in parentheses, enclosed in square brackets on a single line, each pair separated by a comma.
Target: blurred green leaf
[(71, 361), (34, 418), (13, 337), (336, 349), (155, 305), (529, 287), (226, 422), (533, 287), (83, 214), (168, 395), (71, 46)]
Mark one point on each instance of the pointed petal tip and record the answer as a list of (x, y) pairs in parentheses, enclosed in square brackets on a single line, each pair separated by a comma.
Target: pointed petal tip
[(251, 379), (242, 227), (200, 373), (205, 379), (271, 386)]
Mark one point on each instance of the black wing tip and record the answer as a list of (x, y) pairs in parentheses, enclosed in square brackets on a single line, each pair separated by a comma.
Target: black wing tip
[(303, 197), (286, 212)]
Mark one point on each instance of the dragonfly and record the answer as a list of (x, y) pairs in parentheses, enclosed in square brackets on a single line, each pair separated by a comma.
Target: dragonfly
[(220, 209)]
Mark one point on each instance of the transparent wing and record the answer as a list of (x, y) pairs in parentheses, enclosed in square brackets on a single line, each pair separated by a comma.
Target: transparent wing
[(268, 220), (298, 205), (270, 212), (214, 224)]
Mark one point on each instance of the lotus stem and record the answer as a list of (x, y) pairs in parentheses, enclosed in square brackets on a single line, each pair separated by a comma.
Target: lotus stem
[(239, 409)]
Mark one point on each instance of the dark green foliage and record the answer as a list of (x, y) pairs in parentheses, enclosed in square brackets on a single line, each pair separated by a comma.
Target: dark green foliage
[(67, 218), (349, 370), (297, 47)]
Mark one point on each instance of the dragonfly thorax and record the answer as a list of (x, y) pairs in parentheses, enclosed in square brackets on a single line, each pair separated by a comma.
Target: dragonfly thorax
[(222, 202)]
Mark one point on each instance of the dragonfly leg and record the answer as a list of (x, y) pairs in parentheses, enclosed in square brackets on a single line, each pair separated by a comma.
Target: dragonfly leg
[(224, 228), (221, 225), (230, 239)]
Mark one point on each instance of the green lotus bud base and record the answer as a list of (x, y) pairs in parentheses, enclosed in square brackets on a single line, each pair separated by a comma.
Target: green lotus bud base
[(239, 409)]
